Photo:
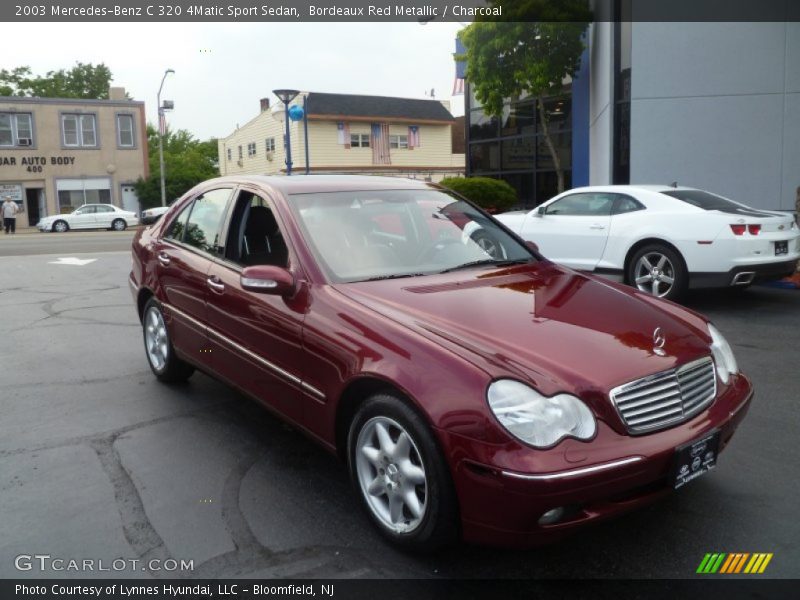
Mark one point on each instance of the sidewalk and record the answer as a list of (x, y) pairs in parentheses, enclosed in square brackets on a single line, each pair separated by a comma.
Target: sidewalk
[(25, 229)]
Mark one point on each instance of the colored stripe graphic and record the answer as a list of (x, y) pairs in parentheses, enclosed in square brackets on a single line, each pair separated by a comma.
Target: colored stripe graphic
[(711, 563), (724, 563), (758, 563)]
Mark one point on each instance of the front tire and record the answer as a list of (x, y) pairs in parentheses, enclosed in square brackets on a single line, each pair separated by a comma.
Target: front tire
[(400, 475), (658, 270), (60, 226), (118, 225), (166, 366)]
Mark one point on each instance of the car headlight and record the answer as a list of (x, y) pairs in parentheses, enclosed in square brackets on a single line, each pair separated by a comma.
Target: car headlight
[(537, 420), (723, 355)]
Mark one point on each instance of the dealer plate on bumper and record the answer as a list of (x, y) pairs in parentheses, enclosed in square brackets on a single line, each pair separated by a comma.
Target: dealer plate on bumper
[(695, 458), (781, 248)]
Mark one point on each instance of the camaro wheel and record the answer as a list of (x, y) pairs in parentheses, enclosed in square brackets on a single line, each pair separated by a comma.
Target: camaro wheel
[(119, 225), (489, 245), (658, 270), (160, 354), (400, 475), (60, 226)]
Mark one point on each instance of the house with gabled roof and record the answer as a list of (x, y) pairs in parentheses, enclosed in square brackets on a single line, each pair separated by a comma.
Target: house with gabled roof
[(347, 133)]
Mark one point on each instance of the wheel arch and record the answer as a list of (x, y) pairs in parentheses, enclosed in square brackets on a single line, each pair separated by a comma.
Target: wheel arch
[(352, 397), (645, 242), (141, 300)]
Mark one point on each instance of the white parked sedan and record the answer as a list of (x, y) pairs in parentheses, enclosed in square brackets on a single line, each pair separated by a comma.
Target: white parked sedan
[(661, 239), (151, 215), (90, 216)]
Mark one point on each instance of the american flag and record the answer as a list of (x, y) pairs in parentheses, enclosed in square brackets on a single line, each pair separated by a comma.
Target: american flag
[(343, 133), (380, 144), (162, 123), (413, 137)]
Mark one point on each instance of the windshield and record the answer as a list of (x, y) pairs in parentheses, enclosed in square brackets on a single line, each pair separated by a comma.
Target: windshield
[(365, 235)]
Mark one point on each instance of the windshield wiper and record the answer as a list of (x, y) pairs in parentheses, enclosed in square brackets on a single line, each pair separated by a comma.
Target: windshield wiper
[(487, 261), (395, 276)]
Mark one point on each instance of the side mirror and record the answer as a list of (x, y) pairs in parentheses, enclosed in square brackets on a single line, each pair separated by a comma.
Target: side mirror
[(539, 212), (533, 246), (268, 279)]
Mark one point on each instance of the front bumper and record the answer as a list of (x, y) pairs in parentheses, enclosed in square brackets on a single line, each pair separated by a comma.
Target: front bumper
[(611, 475)]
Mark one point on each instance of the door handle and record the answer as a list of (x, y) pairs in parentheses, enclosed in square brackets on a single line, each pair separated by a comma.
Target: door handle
[(215, 284), (163, 258), (596, 226)]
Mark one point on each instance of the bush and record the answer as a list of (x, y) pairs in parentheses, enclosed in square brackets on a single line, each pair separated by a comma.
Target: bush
[(494, 195)]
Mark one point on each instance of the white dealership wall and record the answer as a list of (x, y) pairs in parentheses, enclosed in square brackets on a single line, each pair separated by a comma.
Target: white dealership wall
[(713, 105)]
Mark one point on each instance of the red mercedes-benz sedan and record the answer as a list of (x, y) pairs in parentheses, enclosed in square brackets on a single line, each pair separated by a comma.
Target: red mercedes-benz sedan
[(493, 396)]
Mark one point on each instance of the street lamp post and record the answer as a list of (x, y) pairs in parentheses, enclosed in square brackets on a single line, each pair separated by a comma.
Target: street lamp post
[(161, 137), (287, 96)]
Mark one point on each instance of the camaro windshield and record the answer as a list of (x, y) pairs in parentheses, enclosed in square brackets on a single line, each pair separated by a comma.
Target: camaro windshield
[(366, 235)]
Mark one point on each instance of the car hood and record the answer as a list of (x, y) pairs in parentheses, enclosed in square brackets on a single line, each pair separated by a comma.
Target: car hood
[(558, 329)]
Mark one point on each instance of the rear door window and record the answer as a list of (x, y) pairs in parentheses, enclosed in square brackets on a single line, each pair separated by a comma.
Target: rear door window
[(204, 227)]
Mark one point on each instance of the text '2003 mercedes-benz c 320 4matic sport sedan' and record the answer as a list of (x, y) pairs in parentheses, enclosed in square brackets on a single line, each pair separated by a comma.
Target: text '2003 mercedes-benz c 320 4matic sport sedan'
[(503, 399)]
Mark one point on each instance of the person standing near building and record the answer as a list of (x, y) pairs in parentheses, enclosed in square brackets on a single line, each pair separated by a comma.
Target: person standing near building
[(9, 210)]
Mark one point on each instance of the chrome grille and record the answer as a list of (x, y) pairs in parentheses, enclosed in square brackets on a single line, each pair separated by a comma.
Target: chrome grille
[(666, 398)]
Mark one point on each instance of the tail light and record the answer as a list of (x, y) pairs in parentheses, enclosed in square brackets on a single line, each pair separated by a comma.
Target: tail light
[(738, 229)]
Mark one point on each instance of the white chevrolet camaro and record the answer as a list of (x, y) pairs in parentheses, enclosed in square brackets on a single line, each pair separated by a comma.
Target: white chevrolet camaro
[(90, 216), (661, 239)]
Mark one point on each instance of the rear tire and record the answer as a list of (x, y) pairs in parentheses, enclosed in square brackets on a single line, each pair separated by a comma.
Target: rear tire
[(400, 475), (658, 270), (166, 366)]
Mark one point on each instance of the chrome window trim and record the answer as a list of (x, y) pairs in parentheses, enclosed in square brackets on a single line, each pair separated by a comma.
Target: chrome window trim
[(575, 472), (249, 353)]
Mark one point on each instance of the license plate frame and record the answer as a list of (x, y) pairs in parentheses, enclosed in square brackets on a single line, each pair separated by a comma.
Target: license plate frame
[(781, 248), (695, 458)]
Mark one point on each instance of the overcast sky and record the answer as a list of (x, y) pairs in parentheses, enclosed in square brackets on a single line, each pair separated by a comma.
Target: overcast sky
[(223, 69)]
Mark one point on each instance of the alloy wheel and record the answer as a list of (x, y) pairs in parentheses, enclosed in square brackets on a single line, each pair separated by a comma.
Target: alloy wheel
[(655, 274), (391, 474), (156, 340)]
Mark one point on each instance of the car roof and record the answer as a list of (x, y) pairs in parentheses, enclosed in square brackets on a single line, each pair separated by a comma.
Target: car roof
[(631, 188), (306, 184)]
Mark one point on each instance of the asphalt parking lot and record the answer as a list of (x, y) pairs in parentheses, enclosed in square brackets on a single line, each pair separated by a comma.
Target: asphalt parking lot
[(99, 461)]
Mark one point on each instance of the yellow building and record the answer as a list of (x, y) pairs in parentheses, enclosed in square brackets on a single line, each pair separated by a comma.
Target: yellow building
[(57, 154), (368, 135)]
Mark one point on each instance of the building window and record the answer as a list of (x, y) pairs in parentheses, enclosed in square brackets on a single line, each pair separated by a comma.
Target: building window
[(16, 129), (78, 130), (125, 131), (269, 144), (251, 149), (240, 153), (398, 141), (73, 193), (360, 140), (230, 154)]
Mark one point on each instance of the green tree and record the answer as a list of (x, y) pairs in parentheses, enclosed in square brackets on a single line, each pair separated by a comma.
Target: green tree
[(85, 81), (536, 46), (187, 162)]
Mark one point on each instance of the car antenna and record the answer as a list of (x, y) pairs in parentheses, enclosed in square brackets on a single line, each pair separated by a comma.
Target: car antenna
[(674, 184)]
